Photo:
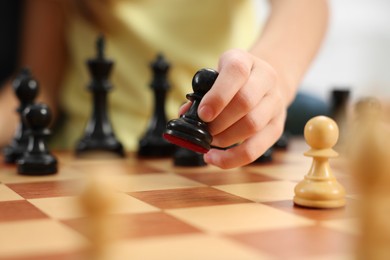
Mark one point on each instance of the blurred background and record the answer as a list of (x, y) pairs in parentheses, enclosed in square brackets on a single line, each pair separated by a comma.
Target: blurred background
[(355, 54), (356, 51), (10, 16)]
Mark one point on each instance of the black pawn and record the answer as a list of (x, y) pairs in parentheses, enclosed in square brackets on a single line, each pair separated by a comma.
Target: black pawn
[(26, 89), (152, 144), (187, 158), (37, 160), (189, 131), (99, 135)]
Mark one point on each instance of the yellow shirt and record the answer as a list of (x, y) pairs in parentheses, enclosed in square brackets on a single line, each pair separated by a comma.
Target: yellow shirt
[(191, 34)]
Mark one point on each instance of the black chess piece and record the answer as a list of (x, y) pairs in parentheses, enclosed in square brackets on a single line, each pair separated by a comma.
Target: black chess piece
[(188, 158), (26, 89), (37, 159), (339, 102), (189, 131), (152, 144), (282, 142), (99, 135)]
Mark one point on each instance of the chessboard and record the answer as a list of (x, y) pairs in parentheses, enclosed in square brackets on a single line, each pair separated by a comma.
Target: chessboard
[(170, 212)]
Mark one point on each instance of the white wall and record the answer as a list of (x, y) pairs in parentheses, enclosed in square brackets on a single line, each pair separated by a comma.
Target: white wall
[(356, 50)]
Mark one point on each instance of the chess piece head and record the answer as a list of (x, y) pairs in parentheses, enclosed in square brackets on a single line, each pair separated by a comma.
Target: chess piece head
[(37, 116), (25, 86), (160, 67), (100, 67), (321, 133), (160, 64), (203, 80)]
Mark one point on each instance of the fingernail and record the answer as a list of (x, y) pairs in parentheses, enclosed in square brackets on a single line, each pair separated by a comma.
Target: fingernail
[(205, 113)]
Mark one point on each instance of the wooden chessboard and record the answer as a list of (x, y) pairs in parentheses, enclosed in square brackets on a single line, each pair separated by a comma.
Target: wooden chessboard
[(172, 212)]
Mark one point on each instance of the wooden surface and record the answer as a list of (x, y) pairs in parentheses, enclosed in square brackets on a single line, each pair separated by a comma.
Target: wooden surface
[(169, 212)]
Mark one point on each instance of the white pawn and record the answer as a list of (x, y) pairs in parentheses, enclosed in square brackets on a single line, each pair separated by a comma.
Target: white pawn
[(98, 202), (320, 189)]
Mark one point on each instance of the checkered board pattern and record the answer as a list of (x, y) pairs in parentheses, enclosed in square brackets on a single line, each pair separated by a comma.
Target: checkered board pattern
[(169, 212)]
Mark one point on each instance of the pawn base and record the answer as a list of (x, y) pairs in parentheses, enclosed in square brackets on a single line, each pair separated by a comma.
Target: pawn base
[(192, 145), (324, 204), (319, 193), (189, 134), (36, 165), (110, 144)]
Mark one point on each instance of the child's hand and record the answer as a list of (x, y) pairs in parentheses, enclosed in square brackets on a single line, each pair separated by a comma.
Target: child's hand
[(244, 106)]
